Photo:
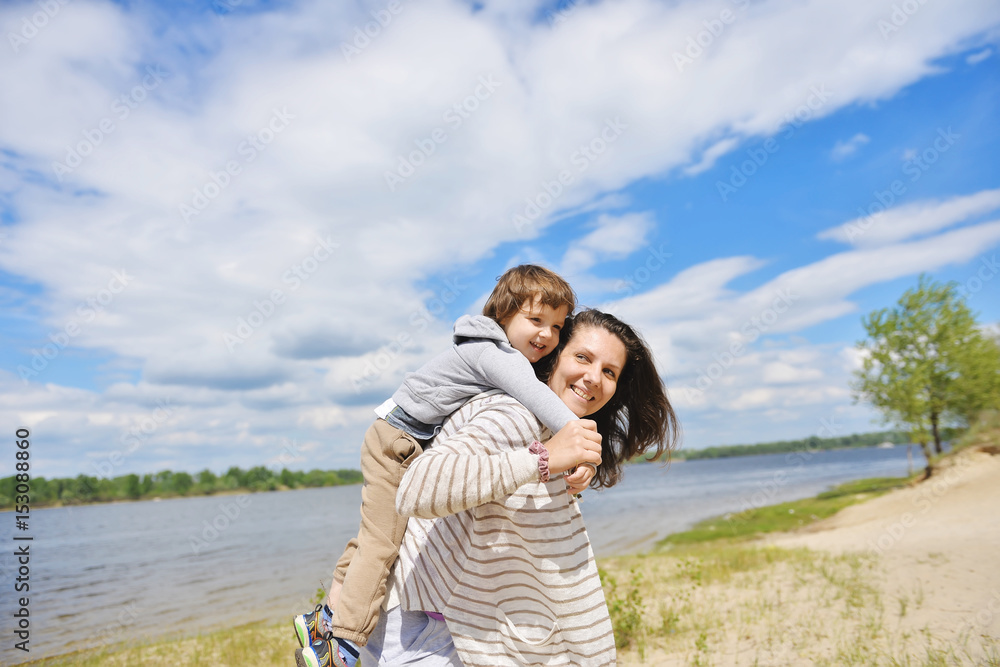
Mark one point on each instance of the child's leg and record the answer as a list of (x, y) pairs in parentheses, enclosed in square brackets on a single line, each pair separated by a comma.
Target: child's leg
[(339, 572), (385, 455)]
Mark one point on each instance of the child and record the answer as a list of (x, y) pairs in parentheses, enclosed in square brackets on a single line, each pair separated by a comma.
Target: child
[(520, 325)]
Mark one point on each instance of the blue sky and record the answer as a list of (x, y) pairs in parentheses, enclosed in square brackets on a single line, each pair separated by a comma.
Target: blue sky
[(228, 229)]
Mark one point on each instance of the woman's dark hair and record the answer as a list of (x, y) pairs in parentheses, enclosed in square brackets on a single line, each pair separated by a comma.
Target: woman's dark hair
[(638, 420)]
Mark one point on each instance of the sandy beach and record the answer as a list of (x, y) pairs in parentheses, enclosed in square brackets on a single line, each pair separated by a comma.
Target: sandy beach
[(908, 578), (940, 538)]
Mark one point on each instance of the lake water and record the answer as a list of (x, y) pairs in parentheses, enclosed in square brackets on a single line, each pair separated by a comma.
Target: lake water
[(110, 573)]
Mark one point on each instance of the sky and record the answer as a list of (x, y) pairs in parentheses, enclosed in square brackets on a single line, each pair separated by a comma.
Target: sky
[(229, 228)]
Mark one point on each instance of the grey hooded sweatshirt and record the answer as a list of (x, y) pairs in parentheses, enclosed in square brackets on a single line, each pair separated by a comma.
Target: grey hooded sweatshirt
[(480, 360)]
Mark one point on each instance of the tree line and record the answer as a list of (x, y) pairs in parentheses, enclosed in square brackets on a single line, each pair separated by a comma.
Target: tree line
[(168, 484), (811, 444)]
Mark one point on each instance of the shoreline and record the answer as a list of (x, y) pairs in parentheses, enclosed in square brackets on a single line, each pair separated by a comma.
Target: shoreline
[(158, 499)]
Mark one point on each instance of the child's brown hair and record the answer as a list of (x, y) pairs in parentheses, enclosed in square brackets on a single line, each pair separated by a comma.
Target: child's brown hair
[(526, 283)]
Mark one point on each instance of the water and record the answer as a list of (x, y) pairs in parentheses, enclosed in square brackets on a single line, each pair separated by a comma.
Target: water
[(659, 501), (112, 573)]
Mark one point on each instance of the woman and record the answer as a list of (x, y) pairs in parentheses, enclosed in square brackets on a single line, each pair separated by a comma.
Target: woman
[(499, 546)]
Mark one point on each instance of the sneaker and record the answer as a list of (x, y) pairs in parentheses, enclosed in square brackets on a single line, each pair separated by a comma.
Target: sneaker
[(308, 627), (324, 653)]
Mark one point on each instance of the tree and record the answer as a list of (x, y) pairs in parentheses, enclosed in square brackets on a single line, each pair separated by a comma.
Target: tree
[(133, 488), (926, 364), (206, 480), (181, 483)]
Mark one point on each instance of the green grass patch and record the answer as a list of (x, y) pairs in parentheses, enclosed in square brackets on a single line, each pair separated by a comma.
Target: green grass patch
[(748, 524), (258, 644)]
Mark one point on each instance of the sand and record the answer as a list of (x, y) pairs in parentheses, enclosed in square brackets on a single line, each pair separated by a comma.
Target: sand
[(939, 539), (909, 578)]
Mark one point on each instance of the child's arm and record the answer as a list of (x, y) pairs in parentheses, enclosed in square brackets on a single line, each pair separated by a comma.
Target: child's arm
[(511, 372), (486, 460)]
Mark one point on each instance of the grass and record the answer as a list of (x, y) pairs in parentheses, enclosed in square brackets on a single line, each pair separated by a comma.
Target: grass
[(982, 433), (259, 644), (751, 523)]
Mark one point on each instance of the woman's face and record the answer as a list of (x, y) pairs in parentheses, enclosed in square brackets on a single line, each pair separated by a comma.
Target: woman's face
[(587, 371)]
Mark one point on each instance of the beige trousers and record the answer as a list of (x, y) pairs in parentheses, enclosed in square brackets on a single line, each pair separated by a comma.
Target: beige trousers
[(364, 567)]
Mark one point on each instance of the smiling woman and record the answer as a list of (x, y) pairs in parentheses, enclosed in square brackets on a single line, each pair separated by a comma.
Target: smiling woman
[(499, 550)]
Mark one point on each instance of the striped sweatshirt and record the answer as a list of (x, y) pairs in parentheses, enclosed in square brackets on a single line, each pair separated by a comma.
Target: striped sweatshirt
[(505, 557)]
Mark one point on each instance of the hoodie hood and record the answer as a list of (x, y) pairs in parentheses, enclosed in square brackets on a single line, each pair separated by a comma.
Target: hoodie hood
[(478, 326)]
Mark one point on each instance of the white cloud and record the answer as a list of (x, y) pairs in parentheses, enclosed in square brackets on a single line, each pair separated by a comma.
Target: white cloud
[(612, 238), (911, 220), (844, 149)]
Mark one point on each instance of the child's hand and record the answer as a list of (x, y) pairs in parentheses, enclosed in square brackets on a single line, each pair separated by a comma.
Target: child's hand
[(580, 478)]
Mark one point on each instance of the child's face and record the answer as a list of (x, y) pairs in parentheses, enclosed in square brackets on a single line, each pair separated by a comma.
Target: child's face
[(534, 330)]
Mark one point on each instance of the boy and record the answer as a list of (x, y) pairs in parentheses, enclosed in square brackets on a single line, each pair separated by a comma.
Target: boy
[(520, 325)]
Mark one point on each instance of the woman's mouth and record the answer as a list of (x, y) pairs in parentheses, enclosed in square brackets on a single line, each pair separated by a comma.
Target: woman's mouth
[(581, 393)]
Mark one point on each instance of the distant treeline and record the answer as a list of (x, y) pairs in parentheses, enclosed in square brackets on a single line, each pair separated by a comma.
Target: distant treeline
[(806, 444), (86, 489)]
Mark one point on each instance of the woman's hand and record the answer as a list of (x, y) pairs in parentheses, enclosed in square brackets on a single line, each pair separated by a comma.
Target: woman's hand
[(577, 442)]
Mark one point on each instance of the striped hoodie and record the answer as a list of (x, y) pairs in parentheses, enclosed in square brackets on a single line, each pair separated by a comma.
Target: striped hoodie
[(505, 557)]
